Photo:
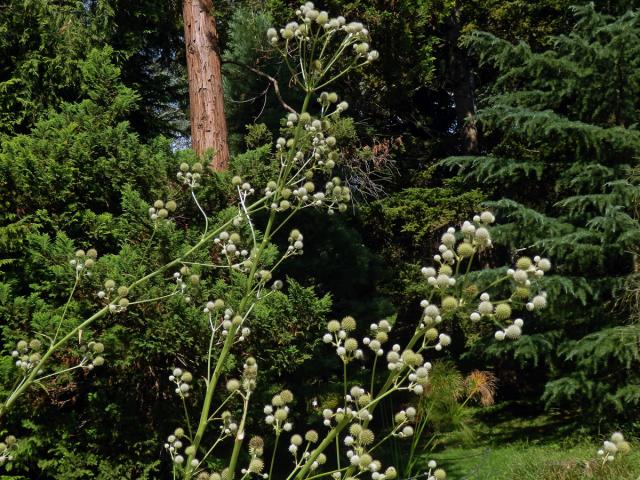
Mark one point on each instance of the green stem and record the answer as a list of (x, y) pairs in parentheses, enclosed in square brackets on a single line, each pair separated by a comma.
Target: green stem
[(213, 381), (4, 408), (66, 306), (273, 455), (239, 436)]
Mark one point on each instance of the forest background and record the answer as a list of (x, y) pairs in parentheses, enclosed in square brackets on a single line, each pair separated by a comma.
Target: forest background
[(528, 107)]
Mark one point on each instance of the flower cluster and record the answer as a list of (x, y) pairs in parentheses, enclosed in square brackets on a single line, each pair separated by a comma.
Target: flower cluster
[(379, 334), (183, 380), (309, 18), (347, 347), (277, 413), (27, 354), (84, 261), (230, 245), (451, 282), (92, 355), (174, 445), (161, 209), (434, 473), (616, 445), (359, 442), (121, 292), (9, 444), (249, 379), (190, 175), (256, 463)]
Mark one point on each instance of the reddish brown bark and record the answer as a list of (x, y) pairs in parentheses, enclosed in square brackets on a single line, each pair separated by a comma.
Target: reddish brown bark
[(206, 102)]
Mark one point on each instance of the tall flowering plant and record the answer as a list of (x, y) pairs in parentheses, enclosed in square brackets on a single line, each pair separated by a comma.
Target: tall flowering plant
[(318, 50)]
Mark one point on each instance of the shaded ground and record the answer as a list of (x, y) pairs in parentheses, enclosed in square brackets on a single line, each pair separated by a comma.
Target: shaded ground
[(524, 445)]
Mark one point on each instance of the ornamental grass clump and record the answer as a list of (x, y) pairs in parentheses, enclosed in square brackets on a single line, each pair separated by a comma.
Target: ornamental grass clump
[(213, 402)]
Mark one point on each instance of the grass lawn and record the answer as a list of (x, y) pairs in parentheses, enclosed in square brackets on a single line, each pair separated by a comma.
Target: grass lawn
[(540, 447)]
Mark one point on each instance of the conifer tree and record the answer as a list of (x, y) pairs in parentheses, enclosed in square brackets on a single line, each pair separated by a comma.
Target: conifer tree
[(561, 140)]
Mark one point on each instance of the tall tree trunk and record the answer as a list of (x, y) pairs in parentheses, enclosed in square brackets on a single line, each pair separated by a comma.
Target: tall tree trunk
[(461, 81), (206, 101)]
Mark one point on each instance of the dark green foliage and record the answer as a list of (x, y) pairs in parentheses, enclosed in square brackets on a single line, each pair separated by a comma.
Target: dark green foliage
[(42, 44), (85, 153), (561, 143), (81, 177)]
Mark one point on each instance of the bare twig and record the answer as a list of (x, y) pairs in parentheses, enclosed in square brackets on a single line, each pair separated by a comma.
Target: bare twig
[(274, 82)]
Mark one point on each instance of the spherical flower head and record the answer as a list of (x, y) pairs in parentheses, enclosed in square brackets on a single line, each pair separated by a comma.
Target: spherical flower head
[(348, 323), (513, 332), (366, 437), (186, 377), (610, 447), (539, 301), (233, 385), (487, 217), (428, 271), (277, 401), (256, 465), (442, 280), (286, 396), (520, 276), (296, 440), (503, 311), (431, 334), (482, 235), (544, 264), (179, 432), (449, 239), (365, 460), (617, 437), (280, 414), (623, 447), (522, 292), (449, 303), (445, 270), (407, 431), (465, 249), (432, 311), (440, 474), (411, 358), (393, 356), (355, 429), (333, 326), (445, 340), (311, 436), (500, 335), (523, 263), (485, 308), (256, 443), (391, 473)]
